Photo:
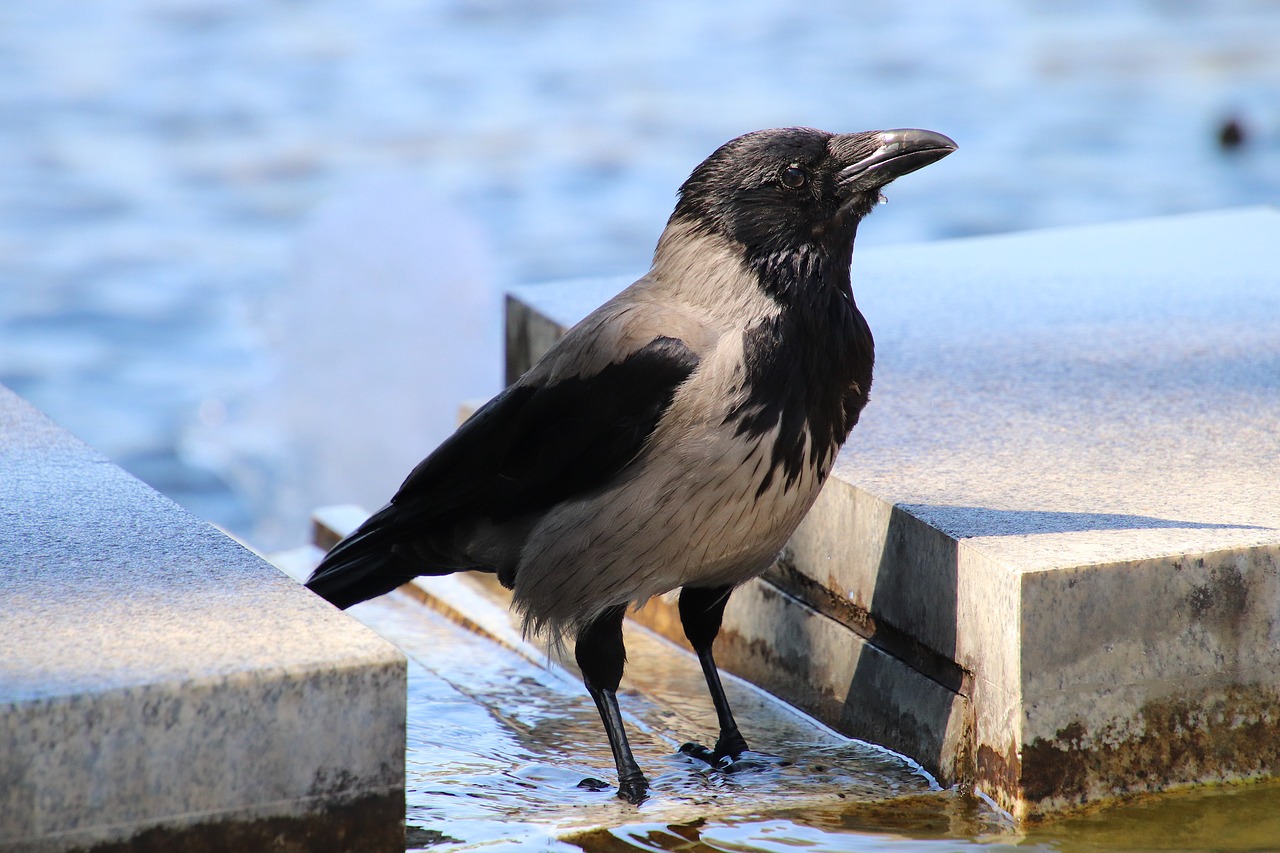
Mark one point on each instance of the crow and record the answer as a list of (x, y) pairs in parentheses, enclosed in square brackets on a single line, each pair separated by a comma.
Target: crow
[(677, 435)]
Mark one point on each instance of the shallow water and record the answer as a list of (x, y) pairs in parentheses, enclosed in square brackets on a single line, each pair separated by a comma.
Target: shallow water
[(499, 736), (1225, 819), (159, 159)]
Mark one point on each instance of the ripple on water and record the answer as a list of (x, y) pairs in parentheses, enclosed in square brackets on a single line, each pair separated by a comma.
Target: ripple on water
[(499, 741)]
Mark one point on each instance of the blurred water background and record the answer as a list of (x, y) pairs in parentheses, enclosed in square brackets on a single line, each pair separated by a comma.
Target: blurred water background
[(237, 235)]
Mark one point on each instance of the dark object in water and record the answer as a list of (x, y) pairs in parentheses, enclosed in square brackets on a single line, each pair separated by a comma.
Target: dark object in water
[(1231, 134)]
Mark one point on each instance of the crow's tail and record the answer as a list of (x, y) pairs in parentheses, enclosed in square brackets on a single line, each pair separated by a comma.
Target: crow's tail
[(365, 564)]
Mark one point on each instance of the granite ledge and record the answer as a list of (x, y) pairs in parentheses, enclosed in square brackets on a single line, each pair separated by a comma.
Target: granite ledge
[(160, 681)]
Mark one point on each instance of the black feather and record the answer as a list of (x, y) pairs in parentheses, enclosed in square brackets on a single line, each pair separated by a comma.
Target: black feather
[(809, 367), (529, 448)]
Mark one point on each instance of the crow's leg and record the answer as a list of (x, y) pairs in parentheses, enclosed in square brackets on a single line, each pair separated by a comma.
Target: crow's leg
[(701, 611), (601, 655)]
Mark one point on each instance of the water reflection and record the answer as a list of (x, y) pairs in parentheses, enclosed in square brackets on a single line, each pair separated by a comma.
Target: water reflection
[(1235, 818), (939, 821)]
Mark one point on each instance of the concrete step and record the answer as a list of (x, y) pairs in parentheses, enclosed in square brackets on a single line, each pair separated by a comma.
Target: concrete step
[(1048, 562), (162, 688)]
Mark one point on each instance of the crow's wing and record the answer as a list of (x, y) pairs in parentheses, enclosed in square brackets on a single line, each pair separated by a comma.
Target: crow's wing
[(534, 445)]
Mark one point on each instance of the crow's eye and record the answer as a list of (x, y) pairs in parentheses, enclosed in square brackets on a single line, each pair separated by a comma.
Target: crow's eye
[(794, 177)]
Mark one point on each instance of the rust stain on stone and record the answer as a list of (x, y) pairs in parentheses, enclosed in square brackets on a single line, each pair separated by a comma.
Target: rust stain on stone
[(997, 773), (755, 651), (784, 573), (1234, 734)]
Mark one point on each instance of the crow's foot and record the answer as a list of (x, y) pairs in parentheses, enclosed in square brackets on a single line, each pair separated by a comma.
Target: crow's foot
[(633, 789), (729, 746), (713, 757), (740, 760)]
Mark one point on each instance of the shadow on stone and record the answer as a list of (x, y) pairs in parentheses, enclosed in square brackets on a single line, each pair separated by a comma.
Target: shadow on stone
[(964, 522), (365, 825), (913, 610)]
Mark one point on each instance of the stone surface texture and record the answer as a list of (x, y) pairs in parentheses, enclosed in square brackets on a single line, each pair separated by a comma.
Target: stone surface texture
[(158, 679), (1062, 505)]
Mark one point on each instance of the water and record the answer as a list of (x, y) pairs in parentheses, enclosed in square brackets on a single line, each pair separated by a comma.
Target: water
[(159, 160), (1241, 819), (499, 737)]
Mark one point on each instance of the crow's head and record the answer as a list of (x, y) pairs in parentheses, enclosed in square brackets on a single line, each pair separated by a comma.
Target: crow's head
[(776, 191)]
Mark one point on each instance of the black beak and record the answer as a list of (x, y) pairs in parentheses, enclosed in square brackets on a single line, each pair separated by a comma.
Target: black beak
[(880, 156)]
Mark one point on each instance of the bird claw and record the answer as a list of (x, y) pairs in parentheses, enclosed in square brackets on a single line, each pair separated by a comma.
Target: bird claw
[(741, 765), (715, 758), (735, 762), (634, 790)]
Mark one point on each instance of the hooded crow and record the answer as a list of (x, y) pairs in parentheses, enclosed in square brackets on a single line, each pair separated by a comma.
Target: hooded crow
[(676, 436)]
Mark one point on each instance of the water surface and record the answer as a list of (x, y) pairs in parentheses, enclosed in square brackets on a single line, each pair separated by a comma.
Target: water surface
[(160, 158), (499, 736)]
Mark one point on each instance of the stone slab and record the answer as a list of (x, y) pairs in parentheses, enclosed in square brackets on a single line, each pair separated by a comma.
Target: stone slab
[(1066, 492), (161, 686)]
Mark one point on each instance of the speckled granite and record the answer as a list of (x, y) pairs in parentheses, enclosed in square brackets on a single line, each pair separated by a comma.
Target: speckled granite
[(156, 676), (1063, 503)]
